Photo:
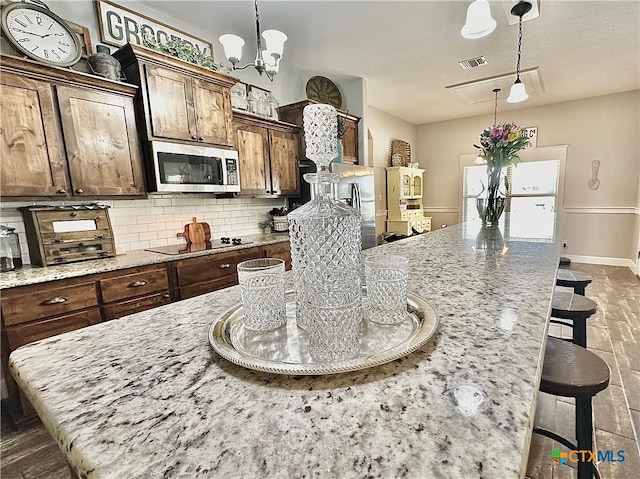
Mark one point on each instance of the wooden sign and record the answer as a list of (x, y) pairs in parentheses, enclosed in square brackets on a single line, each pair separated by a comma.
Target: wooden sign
[(531, 132), (119, 26)]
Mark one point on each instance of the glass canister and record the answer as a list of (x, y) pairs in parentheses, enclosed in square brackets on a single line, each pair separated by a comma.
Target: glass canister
[(326, 244), (10, 253)]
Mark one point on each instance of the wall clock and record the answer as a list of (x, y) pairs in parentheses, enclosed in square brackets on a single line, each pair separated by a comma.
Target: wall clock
[(40, 34)]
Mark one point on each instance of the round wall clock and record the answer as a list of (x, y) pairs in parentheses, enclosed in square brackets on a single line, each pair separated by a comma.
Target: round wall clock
[(324, 90), (39, 34)]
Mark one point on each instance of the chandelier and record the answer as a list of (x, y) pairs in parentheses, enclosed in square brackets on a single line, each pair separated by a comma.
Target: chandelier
[(479, 22), (268, 60)]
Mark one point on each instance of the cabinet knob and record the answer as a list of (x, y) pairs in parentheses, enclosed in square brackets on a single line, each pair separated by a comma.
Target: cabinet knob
[(138, 284), (79, 191), (62, 191), (194, 137), (166, 296), (225, 266), (56, 300), (200, 138)]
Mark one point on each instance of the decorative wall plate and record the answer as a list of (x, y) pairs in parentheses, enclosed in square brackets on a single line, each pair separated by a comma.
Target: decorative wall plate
[(324, 90)]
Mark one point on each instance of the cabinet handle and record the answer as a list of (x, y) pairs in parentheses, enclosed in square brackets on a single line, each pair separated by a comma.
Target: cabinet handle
[(138, 284), (200, 138), (56, 300), (166, 296), (225, 266), (79, 191), (194, 137), (99, 236), (62, 191)]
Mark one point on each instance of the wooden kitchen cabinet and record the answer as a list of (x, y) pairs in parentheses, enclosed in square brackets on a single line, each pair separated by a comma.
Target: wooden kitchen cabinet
[(66, 134), (279, 250), (268, 156), (33, 157), (195, 276), (293, 113), (130, 291), (179, 100), (103, 151)]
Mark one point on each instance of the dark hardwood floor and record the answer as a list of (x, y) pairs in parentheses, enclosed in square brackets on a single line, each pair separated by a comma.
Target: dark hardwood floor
[(614, 334)]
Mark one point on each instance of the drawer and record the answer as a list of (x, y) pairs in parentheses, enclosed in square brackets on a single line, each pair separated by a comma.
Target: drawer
[(46, 302), (280, 251), (124, 308), (134, 284), (28, 333), (213, 267), (206, 287)]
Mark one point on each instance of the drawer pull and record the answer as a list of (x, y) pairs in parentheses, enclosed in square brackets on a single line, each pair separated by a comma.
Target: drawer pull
[(225, 266), (138, 284), (166, 296), (56, 300)]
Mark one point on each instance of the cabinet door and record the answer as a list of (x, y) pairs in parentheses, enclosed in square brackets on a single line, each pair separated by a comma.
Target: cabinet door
[(170, 104), (283, 149), (32, 154), (350, 142), (100, 135), (212, 104), (253, 156)]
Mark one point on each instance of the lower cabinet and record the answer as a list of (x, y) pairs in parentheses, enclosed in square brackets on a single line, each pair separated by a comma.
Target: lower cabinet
[(39, 311), (209, 273)]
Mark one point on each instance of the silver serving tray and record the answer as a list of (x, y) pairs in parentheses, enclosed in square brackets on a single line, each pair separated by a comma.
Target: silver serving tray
[(285, 350)]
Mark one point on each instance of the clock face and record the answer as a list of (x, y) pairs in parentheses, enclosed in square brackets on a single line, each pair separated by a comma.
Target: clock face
[(41, 36)]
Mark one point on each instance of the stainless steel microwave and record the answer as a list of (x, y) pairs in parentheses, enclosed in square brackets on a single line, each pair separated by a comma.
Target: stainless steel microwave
[(193, 169)]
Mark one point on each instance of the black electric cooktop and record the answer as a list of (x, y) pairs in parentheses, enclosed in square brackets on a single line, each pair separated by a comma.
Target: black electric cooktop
[(176, 249)]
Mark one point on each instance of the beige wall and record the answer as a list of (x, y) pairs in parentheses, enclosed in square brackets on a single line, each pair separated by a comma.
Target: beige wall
[(382, 128), (601, 224)]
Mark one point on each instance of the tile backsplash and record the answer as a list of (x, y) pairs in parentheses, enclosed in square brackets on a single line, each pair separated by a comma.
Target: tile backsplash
[(145, 223)]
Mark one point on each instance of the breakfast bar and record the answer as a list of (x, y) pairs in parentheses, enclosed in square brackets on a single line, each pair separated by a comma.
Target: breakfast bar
[(145, 396)]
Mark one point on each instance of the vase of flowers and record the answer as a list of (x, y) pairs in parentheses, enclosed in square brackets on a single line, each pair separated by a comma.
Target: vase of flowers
[(499, 146)]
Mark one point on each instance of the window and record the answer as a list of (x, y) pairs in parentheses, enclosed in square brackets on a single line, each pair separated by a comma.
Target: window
[(534, 190)]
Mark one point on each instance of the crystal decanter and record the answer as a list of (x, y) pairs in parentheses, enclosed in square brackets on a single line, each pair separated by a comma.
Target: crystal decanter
[(326, 239)]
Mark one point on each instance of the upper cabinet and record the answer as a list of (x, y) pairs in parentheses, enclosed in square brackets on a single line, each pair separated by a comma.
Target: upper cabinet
[(268, 156), (179, 100), (293, 113), (66, 134)]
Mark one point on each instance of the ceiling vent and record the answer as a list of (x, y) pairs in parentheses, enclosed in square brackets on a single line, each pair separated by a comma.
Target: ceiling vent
[(472, 62), (479, 91)]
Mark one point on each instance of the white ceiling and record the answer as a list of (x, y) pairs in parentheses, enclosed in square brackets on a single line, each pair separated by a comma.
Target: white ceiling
[(408, 51)]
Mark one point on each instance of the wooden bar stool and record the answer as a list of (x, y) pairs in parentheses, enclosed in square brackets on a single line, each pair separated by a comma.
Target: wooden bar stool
[(575, 309), (564, 261), (572, 371), (573, 279)]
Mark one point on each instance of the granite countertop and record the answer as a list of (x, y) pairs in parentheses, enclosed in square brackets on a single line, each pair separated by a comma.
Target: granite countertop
[(146, 396), (34, 274)]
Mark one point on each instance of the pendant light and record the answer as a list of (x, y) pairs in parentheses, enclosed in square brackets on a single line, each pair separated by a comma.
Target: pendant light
[(267, 61), (518, 92), (479, 22), (481, 160)]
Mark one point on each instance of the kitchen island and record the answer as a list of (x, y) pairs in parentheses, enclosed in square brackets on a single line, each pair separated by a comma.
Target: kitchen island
[(146, 396)]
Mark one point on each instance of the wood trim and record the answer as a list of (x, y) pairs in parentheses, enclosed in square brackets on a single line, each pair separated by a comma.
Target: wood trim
[(264, 122)]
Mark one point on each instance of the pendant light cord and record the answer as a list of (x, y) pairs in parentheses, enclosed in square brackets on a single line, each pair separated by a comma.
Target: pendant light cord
[(258, 41), (495, 107), (519, 48)]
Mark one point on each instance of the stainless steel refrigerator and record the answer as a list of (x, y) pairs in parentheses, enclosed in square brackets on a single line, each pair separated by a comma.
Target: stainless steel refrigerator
[(357, 189)]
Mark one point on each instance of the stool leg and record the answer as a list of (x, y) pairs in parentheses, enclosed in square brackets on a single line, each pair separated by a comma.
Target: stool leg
[(580, 331), (580, 289), (584, 434)]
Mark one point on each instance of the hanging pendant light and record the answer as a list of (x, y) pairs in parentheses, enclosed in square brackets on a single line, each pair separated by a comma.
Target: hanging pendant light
[(481, 159), (268, 60), (479, 22), (518, 92)]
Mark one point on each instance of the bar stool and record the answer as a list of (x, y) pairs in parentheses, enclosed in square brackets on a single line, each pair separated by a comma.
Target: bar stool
[(564, 261), (573, 279), (572, 371), (575, 309)]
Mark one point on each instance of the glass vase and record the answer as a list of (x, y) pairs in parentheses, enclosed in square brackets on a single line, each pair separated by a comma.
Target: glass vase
[(326, 239), (491, 203)]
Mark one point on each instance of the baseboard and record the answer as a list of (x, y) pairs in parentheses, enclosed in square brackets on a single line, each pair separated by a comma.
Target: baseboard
[(603, 260)]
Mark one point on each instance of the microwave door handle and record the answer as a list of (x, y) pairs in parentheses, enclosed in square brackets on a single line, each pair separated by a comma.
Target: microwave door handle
[(222, 170)]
